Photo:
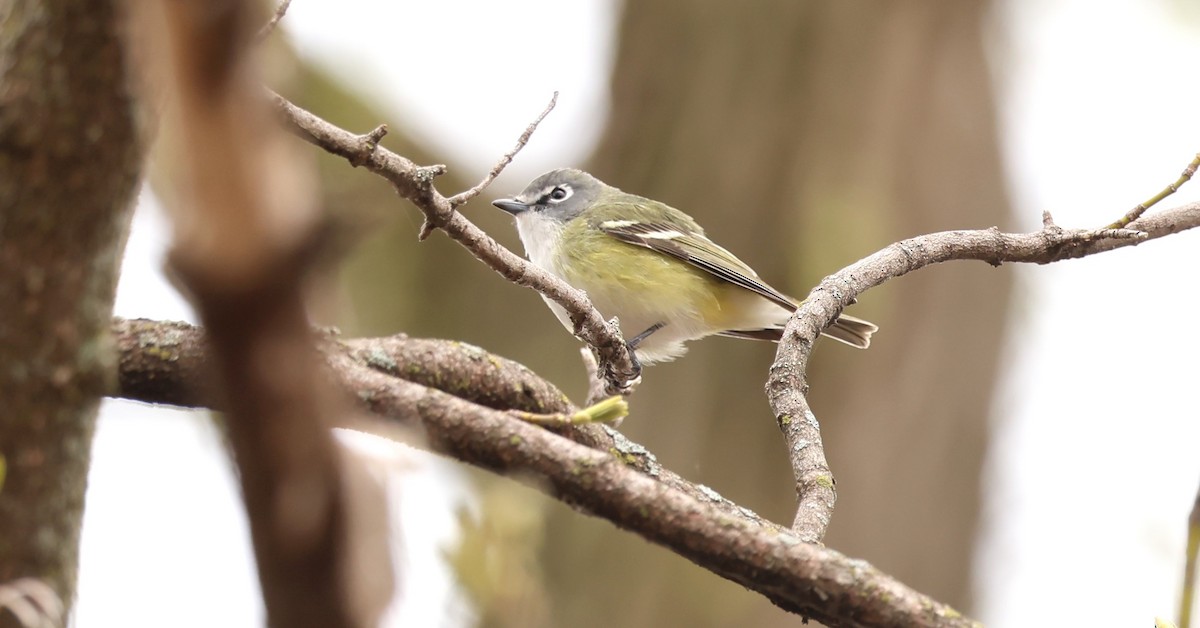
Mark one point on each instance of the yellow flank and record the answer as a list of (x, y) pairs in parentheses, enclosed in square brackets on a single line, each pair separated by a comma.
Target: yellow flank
[(597, 260), (611, 271), (746, 310)]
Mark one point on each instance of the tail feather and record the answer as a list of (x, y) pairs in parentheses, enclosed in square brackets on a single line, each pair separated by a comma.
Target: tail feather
[(853, 331)]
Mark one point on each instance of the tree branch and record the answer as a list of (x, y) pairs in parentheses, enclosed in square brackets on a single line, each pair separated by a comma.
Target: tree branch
[(1173, 187), (601, 472), (276, 16), (462, 197), (166, 362), (787, 386), (415, 183)]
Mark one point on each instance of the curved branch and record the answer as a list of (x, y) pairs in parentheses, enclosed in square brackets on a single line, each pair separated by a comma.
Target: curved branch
[(787, 387)]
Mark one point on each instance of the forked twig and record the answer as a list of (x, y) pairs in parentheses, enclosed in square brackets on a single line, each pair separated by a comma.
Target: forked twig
[(462, 197)]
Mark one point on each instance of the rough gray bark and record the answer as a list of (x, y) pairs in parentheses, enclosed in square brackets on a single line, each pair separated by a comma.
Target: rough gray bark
[(69, 157), (601, 473)]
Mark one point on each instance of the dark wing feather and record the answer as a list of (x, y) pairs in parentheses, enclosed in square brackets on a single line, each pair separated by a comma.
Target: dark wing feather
[(696, 249)]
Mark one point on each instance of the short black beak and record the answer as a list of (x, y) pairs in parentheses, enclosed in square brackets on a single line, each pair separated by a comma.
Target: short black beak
[(510, 206)]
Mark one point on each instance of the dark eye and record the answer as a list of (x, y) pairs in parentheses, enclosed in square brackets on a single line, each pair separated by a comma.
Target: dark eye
[(559, 193)]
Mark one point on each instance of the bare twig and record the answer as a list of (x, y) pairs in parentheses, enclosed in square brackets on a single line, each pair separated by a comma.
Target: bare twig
[(462, 197), (415, 183), (1141, 208), (269, 27), (787, 386)]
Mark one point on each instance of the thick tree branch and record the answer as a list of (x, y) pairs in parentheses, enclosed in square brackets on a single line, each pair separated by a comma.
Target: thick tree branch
[(166, 362), (787, 386), (415, 183), (610, 477)]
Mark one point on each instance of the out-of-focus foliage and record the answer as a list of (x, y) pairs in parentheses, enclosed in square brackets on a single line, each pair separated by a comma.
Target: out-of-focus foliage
[(499, 558)]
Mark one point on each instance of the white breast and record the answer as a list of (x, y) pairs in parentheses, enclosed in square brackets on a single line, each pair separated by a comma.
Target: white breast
[(540, 236)]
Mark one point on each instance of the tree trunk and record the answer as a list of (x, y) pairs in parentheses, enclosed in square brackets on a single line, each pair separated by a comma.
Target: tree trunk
[(69, 160)]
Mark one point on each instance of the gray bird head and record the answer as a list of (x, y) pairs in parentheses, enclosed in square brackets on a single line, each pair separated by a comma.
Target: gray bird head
[(559, 195)]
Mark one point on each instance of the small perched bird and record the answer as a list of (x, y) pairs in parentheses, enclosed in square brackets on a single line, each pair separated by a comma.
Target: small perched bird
[(651, 266)]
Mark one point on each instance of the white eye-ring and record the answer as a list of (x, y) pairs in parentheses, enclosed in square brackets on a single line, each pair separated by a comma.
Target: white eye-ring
[(560, 193)]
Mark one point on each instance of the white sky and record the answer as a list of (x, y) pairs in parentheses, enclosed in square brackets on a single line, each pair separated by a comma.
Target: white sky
[(1092, 479), (1092, 474)]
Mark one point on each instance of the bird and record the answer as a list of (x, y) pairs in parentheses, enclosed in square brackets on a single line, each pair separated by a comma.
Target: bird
[(651, 266)]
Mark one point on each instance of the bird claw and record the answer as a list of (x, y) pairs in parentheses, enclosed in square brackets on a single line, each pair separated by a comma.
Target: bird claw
[(626, 389), (624, 383)]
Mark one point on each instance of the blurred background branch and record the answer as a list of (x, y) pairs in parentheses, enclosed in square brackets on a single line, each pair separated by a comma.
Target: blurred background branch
[(32, 603), (246, 232)]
